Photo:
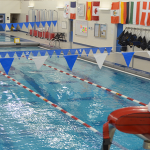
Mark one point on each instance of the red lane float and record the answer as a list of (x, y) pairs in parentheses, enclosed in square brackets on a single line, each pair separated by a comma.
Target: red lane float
[(132, 120)]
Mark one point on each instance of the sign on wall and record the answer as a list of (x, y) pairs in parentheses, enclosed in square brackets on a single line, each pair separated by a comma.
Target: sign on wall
[(80, 10), (81, 28), (66, 9), (100, 30)]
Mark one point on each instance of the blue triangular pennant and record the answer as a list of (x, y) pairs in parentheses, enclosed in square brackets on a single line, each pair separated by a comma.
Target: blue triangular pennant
[(71, 59), (72, 51), (3, 26), (9, 25), (19, 54), (102, 49), (3, 54), (20, 24), (11, 54), (35, 53), (50, 52), (94, 50), (65, 51), (80, 51), (54, 23), (32, 24), (87, 50), (15, 25), (49, 23), (127, 57), (6, 63), (26, 24), (108, 49), (43, 23), (58, 52), (27, 53), (38, 24), (42, 52)]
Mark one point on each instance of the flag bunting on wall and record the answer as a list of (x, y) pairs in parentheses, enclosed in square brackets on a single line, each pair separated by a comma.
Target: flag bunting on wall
[(89, 11), (134, 12), (95, 11), (124, 12), (115, 10), (73, 10), (145, 18)]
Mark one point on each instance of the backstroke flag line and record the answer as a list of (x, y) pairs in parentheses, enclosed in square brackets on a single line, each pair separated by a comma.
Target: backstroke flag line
[(127, 57), (100, 58), (39, 61), (71, 59), (6, 63)]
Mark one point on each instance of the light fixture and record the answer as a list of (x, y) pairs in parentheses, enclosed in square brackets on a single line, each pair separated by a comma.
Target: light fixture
[(60, 7), (31, 6), (104, 8)]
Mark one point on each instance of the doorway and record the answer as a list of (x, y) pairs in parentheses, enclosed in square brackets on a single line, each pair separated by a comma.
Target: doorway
[(2, 20)]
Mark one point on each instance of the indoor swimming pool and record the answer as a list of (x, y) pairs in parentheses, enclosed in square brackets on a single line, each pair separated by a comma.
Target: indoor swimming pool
[(27, 122)]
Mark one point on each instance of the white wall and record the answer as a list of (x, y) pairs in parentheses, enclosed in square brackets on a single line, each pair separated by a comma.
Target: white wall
[(7, 7), (90, 39)]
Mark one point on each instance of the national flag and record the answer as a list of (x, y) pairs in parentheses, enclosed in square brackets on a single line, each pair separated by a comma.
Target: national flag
[(127, 19), (124, 12), (89, 11), (66, 10), (115, 10), (73, 10), (95, 11), (145, 18), (134, 12)]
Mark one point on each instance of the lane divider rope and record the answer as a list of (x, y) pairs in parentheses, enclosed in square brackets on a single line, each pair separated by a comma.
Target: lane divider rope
[(54, 105), (111, 91), (62, 110)]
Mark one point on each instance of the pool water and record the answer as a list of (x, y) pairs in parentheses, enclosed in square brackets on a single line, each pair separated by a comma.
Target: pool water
[(9, 38), (27, 48), (27, 122)]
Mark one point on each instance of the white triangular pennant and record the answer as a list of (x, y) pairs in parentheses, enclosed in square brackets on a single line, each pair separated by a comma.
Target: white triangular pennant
[(100, 58), (39, 61), (148, 53)]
